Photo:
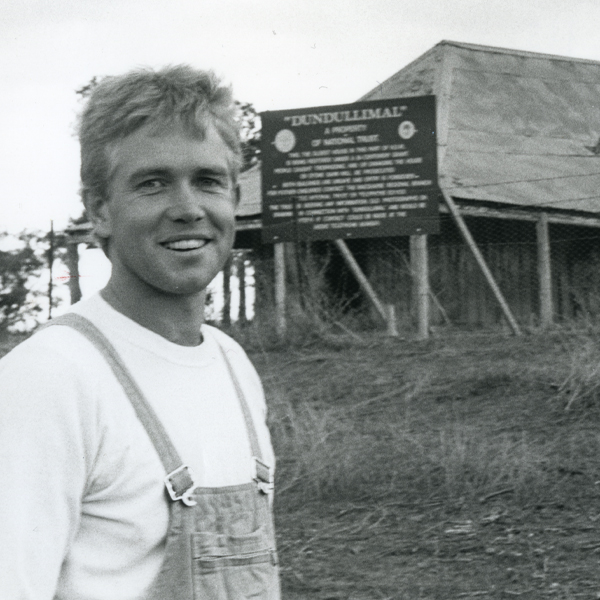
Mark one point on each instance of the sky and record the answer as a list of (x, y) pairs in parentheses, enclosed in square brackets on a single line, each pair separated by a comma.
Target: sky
[(277, 54)]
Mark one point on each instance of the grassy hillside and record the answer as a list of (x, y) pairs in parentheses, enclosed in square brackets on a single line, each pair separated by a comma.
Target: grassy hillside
[(466, 466)]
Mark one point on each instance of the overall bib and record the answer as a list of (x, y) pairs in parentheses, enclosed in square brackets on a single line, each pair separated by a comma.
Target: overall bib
[(220, 542)]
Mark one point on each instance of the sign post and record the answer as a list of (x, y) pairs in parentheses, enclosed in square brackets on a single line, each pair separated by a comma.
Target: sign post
[(367, 169)]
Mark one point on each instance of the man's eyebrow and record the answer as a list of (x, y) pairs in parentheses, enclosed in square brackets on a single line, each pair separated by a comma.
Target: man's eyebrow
[(150, 171), (221, 171)]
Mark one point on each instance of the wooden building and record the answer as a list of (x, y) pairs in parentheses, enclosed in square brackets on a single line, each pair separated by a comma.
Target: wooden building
[(519, 154)]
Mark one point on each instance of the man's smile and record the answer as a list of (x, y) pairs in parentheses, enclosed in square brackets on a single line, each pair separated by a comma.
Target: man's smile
[(185, 244)]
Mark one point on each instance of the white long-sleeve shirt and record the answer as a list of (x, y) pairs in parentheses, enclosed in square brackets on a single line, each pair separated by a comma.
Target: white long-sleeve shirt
[(82, 508)]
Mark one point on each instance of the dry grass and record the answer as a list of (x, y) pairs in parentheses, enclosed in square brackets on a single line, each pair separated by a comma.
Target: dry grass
[(425, 463), (364, 425), (582, 383)]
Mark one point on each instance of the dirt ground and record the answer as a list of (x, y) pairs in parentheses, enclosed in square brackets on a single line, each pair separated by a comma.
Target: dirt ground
[(494, 546), (393, 551)]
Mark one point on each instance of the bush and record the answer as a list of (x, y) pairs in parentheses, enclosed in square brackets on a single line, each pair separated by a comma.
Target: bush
[(18, 266)]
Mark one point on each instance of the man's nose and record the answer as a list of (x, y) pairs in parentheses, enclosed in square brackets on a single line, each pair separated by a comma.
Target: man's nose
[(186, 204)]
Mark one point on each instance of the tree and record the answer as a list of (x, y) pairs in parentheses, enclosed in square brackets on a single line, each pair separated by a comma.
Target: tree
[(251, 128), (18, 267)]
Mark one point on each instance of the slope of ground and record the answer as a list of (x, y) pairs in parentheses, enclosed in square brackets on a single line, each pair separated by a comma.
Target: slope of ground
[(440, 469)]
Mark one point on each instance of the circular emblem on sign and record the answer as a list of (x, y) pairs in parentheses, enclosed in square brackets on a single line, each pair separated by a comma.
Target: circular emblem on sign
[(285, 140), (406, 130)]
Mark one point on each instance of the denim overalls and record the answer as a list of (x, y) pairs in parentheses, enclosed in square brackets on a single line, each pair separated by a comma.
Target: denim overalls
[(220, 542)]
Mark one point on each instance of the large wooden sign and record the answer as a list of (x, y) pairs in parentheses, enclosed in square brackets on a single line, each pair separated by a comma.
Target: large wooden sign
[(354, 170)]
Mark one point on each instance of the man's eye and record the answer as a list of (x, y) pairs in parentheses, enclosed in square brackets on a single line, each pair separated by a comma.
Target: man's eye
[(211, 182), (151, 184), (208, 181)]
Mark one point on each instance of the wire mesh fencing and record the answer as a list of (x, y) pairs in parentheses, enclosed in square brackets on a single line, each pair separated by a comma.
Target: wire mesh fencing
[(320, 288)]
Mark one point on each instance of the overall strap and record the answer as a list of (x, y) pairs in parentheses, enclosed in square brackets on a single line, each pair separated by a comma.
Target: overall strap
[(252, 436), (179, 481), (262, 472)]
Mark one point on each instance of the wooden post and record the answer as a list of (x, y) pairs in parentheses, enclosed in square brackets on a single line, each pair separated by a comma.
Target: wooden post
[(241, 274), (544, 271), (280, 322), (420, 277), (226, 316), (462, 226), (392, 324), (432, 296), (293, 291), (73, 266), (362, 280)]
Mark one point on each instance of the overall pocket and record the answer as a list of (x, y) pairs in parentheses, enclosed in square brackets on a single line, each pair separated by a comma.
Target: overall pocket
[(234, 567)]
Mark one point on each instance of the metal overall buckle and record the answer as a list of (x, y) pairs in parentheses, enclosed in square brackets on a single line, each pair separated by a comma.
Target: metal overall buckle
[(181, 484), (262, 474)]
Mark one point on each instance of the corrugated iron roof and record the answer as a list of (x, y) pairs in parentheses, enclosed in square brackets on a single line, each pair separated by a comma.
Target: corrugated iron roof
[(517, 127)]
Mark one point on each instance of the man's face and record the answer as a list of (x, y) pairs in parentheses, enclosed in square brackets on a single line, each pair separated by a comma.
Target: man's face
[(170, 213)]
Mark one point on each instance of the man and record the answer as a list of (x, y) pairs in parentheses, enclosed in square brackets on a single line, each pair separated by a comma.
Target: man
[(135, 456)]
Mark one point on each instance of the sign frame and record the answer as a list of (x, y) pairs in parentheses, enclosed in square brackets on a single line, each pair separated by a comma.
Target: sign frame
[(366, 169)]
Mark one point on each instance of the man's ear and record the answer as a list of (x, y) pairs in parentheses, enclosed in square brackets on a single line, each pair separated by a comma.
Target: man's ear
[(96, 208)]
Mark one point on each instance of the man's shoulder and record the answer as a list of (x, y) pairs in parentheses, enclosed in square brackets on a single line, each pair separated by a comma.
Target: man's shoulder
[(55, 377), (52, 353)]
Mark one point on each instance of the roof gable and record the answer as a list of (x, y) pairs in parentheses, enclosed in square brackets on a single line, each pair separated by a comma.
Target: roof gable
[(513, 127)]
